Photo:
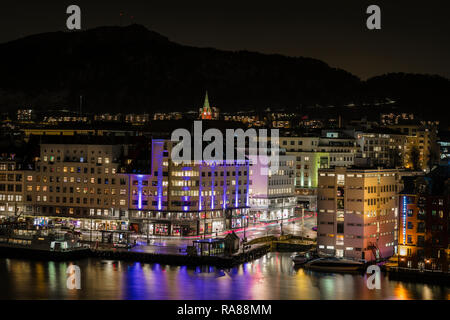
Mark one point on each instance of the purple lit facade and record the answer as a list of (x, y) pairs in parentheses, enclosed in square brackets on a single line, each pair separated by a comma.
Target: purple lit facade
[(189, 198)]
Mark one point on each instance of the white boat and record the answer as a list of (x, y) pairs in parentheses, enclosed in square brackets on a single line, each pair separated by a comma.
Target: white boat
[(334, 264)]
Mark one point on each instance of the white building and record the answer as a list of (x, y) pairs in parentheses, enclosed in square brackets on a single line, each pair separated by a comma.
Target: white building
[(272, 195)]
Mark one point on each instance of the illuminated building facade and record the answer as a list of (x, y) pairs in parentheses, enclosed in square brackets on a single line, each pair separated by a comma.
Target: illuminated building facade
[(313, 153), (411, 240), (94, 185), (444, 146), (11, 187), (272, 195), (379, 148), (425, 221), (78, 184), (358, 212), (421, 139), (188, 198)]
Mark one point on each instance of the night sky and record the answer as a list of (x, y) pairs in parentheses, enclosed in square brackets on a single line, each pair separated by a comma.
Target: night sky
[(414, 36)]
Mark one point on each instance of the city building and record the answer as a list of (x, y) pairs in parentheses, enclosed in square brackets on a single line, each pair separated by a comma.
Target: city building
[(25, 114), (187, 198), (358, 212), (59, 116), (137, 118), (272, 193), (313, 152), (167, 116), (11, 187), (395, 118), (444, 146), (424, 209), (81, 129), (422, 150), (108, 117), (77, 183), (380, 147)]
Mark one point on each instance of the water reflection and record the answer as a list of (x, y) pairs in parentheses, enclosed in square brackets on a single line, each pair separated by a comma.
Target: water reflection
[(270, 277)]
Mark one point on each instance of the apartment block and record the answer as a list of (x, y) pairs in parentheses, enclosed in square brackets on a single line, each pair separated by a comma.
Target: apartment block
[(78, 184), (422, 149), (381, 147), (12, 187), (358, 212), (425, 221), (311, 153)]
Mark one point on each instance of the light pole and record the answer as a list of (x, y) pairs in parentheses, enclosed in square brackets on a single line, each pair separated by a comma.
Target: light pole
[(148, 230), (282, 216), (244, 225), (90, 233), (303, 221), (204, 227)]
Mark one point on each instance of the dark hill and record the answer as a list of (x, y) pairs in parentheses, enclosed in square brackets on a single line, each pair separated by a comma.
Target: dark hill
[(132, 69)]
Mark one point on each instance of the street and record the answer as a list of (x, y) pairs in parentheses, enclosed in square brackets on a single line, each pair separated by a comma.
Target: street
[(172, 245)]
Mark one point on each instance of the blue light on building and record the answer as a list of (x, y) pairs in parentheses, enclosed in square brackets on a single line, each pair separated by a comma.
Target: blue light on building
[(404, 210)]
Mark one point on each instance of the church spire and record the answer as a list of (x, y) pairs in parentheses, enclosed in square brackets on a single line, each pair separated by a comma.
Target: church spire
[(206, 106), (206, 110)]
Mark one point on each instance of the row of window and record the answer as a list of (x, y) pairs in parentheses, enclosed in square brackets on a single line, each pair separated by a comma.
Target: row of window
[(72, 179), (11, 177), (11, 187), (98, 201)]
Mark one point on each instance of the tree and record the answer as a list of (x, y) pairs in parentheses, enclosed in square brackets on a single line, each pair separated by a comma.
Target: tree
[(414, 158)]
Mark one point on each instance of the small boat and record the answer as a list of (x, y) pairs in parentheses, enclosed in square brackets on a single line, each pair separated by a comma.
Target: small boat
[(301, 258), (334, 264), (45, 244)]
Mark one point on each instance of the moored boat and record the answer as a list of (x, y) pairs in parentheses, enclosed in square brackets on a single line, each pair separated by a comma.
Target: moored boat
[(42, 244), (334, 264), (302, 257)]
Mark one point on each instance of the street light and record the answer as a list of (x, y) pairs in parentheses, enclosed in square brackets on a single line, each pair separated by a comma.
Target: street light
[(244, 224), (204, 226), (282, 216), (148, 230), (90, 233), (303, 221)]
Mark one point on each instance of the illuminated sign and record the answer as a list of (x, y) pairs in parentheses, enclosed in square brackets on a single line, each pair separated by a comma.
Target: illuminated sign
[(404, 209)]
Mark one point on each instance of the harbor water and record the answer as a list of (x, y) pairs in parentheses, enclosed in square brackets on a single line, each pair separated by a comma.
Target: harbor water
[(269, 278)]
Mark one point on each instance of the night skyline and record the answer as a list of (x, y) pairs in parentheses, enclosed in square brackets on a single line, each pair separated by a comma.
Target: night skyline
[(413, 38), (218, 157)]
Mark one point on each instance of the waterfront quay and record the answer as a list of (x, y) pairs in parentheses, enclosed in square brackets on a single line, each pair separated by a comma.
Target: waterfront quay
[(182, 258), (226, 249)]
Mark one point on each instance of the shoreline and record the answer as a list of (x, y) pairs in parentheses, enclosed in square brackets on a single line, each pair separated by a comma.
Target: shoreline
[(114, 254), (417, 276)]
